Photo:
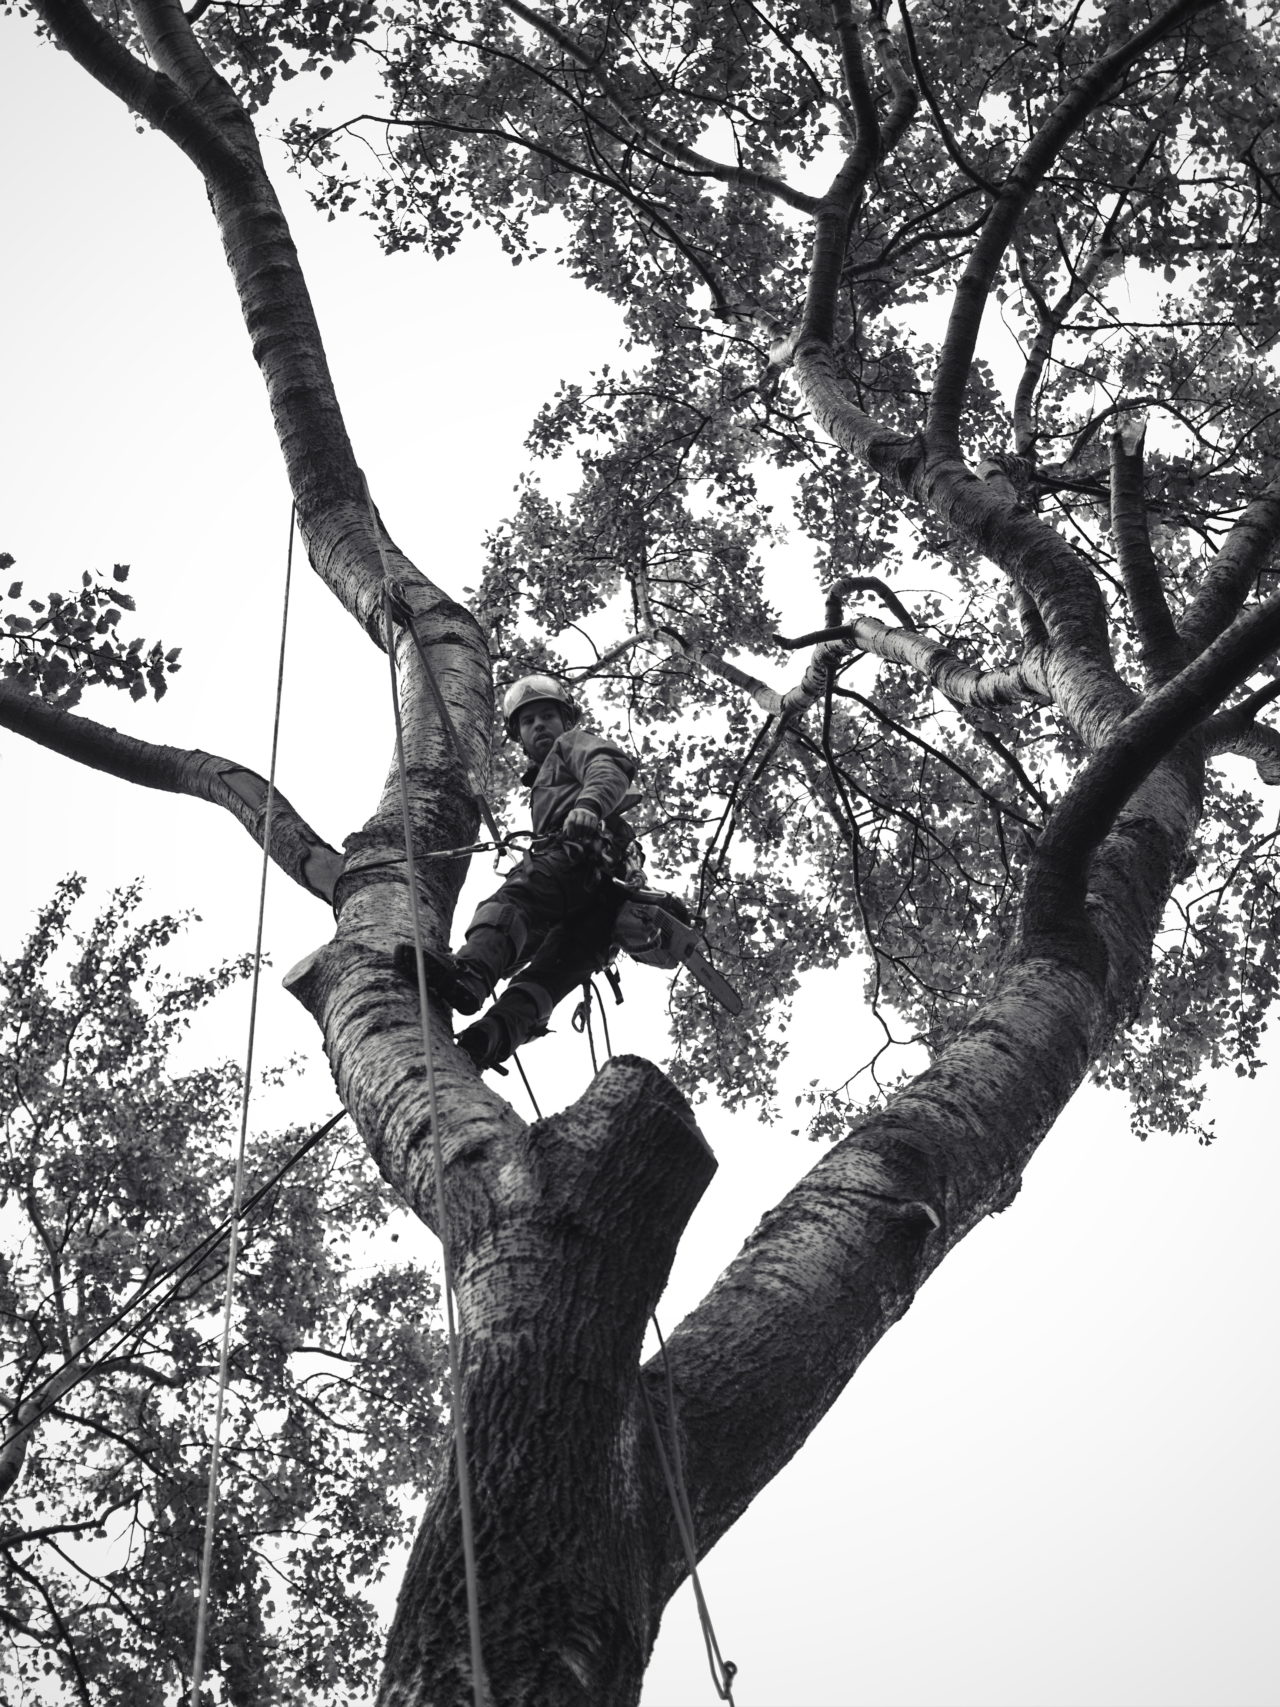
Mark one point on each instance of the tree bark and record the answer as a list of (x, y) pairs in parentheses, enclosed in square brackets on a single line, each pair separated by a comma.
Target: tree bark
[(558, 1278), (562, 1233)]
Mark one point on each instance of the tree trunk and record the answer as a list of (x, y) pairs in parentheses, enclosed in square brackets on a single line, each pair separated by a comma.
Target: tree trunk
[(556, 1283)]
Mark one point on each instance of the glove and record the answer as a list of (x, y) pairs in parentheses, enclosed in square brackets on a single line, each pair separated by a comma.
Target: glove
[(581, 825)]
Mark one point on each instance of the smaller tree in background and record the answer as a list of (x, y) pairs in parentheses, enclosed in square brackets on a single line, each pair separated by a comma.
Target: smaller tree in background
[(114, 1180)]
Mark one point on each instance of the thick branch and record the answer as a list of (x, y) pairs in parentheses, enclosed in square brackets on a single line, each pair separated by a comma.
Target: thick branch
[(1244, 555), (1237, 730), (1159, 648), (838, 1261), (295, 847), (1086, 94), (173, 44), (835, 214), (347, 543), (963, 684), (1036, 559), (154, 97), (1258, 742), (1090, 806), (24, 1419)]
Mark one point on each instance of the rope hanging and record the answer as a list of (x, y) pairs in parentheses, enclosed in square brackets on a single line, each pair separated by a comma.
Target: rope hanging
[(479, 1688), (723, 1671), (237, 1192), (180, 1270)]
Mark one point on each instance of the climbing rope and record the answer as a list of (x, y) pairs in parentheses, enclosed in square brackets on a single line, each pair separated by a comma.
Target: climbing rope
[(479, 1688), (723, 1671), (524, 1077), (237, 1191), (715, 849), (180, 1270)]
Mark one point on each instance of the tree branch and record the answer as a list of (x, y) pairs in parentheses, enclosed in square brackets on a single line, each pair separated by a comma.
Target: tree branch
[(963, 684), (1037, 560), (154, 97), (1242, 558), (1159, 647), (1086, 812), (295, 846), (744, 176), (1052, 319), (1087, 93), (1237, 731), (174, 46), (958, 157), (835, 214)]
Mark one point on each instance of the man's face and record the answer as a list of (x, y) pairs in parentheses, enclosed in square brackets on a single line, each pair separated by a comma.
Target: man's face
[(537, 725)]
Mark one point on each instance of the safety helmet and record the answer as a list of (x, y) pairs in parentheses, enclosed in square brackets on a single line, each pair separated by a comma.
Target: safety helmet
[(531, 688)]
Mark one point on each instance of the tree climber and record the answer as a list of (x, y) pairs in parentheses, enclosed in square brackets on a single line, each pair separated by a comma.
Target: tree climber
[(556, 911)]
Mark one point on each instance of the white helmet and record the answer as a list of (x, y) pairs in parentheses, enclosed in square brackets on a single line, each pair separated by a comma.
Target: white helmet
[(531, 688)]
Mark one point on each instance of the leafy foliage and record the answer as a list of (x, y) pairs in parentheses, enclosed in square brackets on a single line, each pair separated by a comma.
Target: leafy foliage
[(1141, 280), (69, 642), (683, 160), (114, 1169)]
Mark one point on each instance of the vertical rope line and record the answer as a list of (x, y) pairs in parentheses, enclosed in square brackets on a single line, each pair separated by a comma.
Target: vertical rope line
[(479, 1689), (237, 1191), (528, 1087), (586, 1025), (604, 1021), (723, 1671)]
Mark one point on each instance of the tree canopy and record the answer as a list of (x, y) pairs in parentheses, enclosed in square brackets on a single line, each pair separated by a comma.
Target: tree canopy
[(1029, 821), (114, 1187)]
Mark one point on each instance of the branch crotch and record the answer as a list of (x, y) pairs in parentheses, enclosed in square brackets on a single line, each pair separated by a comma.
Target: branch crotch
[(555, 1293)]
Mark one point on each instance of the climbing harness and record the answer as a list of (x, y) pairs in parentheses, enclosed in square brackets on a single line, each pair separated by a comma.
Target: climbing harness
[(237, 1192), (479, 1686)]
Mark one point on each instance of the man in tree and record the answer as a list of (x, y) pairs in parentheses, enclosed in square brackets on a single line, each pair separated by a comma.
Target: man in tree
[(1006, 837), (557, 909)]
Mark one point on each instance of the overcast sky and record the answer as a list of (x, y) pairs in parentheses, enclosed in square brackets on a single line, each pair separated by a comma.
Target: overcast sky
[(1054, 1483)]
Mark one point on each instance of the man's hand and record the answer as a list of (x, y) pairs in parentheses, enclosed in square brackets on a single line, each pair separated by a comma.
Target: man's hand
[(580, 825)]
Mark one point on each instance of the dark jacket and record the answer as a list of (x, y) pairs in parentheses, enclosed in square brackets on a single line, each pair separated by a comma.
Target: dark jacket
[(582, 769)]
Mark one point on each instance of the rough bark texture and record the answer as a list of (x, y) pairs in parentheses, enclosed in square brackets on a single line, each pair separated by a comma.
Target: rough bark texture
[(560, 1272), (563, 1233), (295, 846)]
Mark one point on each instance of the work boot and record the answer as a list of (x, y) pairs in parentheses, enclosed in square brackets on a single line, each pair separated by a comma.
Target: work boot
[(487, 1043), (450, 979), (521, 1012)]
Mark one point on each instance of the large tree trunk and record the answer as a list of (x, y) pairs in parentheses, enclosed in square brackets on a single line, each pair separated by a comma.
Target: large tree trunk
[(562, 1234)]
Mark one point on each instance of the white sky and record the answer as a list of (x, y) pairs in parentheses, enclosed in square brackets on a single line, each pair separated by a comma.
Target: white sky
[(1054, 1483)]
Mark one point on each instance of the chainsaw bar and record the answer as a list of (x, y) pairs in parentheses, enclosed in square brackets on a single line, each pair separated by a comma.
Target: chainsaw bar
[(687, 945)]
